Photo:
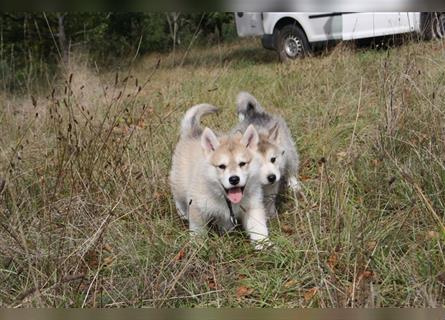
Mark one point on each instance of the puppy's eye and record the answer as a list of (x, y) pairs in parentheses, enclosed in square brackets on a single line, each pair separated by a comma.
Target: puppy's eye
[(242, 164), (222, 166), (273, 159)]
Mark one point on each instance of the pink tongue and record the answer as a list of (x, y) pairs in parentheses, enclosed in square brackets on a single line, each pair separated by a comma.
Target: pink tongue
[(235, 195)]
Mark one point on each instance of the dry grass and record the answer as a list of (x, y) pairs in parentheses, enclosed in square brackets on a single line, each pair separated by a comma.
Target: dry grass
[(87, 219)]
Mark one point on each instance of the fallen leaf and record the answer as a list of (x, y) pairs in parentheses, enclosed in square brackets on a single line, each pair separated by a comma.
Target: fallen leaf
[(304, 178), (375, 162), (365, 275), (432, 235), (332, 261), (243, 291), (309, 294), (290, 283), (180, 255), (211, 283), (242, 276), (120, 130), (157, 195), (91, 258), (107, 248), (287, 229), (371, 245), (341, 155), (141, 124)]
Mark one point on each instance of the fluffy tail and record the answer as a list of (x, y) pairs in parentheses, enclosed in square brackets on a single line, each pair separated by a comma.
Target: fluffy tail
[(247, 105), (190, 123)]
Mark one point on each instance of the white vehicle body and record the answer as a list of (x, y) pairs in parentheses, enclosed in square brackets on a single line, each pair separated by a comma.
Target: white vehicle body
[(322, 26), (326, 26)]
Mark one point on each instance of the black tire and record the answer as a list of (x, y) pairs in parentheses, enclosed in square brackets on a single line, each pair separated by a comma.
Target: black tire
[(292, 43), (433, 25), (438, 25)]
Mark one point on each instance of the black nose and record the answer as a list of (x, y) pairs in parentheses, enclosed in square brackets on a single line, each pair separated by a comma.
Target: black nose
[(234, 180), (271, 178)]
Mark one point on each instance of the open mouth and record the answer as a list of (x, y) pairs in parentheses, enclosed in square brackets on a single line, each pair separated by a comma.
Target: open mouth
[(235, 194)]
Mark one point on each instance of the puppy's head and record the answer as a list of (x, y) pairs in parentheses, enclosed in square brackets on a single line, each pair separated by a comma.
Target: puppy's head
[(271, 157), (232, 159)]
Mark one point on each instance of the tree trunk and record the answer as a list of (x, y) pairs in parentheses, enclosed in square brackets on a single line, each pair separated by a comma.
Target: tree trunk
[(173, 25), (61, 35)]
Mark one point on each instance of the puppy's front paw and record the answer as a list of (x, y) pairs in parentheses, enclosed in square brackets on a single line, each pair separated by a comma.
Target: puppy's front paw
[(296, 189), (263, 244), (294, 184)]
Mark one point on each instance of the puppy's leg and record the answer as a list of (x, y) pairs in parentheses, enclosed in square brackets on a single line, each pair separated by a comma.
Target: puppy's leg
[(255, 224), (294, 184), (292, 175), (225, 226), (271, 209), (181, 210), (292, 171), (197, 223), (270, 199)]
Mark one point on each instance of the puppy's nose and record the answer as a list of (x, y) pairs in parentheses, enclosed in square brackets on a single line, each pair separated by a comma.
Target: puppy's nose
[(271, 178), (234, 180)]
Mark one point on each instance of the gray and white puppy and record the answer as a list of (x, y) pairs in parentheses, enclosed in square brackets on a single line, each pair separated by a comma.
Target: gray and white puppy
[(276, 148)]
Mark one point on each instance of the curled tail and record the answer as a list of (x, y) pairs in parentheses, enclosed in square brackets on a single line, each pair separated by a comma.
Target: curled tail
[(247, 105), (190, 123)]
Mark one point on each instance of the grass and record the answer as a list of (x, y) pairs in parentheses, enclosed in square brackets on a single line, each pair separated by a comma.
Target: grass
[(87, 218)]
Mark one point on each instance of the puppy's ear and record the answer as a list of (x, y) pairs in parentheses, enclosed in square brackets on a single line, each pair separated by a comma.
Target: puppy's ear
[(273, 133), (209, 141), (250, 138)]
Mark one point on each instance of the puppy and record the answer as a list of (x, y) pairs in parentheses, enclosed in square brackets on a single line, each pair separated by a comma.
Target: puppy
[(215, 178), (276, 149)]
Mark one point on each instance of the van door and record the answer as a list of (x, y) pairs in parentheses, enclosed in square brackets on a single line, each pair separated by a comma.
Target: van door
[(322, 26), (358, 25), (387, 23), (249, 23)]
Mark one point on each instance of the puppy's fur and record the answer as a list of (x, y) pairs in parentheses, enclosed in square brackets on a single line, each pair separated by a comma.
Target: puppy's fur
[(200, 177), (276, 149)]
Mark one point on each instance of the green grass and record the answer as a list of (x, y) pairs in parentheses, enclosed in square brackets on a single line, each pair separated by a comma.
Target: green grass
[(87, 218)]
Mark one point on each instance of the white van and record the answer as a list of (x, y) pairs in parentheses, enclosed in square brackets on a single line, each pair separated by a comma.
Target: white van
[(293, 34)]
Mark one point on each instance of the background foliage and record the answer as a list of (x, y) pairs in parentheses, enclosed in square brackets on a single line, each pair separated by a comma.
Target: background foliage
[(39, 40)]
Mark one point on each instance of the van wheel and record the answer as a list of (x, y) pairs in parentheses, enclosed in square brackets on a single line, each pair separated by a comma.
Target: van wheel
[(438, 25), (292, 43)]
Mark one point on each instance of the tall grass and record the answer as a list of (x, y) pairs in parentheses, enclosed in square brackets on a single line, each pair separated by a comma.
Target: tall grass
[(86, 216)]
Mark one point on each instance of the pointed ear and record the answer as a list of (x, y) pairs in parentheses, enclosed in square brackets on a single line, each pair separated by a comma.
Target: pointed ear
[(250, 138), (273, 133), (209, 141)]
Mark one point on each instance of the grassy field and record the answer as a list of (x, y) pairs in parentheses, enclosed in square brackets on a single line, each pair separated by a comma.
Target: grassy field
[(87, 218)]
